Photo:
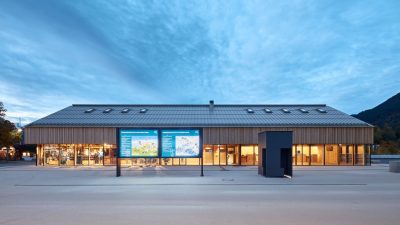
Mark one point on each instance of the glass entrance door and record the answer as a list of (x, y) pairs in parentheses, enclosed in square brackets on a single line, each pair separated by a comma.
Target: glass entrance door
[(222, 155), (233, 155)]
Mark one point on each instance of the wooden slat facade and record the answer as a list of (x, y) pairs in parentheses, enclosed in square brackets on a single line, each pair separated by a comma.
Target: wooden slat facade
[(70, 135), (211, 135)]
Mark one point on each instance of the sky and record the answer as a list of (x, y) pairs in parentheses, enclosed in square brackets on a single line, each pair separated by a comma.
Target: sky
[(55, 53)]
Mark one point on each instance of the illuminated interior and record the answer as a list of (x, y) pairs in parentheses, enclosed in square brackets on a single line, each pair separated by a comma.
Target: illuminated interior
[(218, 155)]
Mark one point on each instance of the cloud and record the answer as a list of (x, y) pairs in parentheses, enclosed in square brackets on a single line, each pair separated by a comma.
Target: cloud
[(55, 53)]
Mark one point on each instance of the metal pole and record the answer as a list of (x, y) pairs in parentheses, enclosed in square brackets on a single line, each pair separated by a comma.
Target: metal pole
[(118, 166), (202, 170)]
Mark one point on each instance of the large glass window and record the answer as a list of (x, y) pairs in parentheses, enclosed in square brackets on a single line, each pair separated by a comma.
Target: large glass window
[(216, 155), (193, 161), (331, 155), (294, 155), (306, 155), (317, 152), (51, 155), (256, 154), (298, 154), (368, 154), (360, 155), (345, 156), (233, 155), (247, 155), (82, 156), (351, 154), (110, 154), (208, 155), (222, 155), (67, 155), (96, 155)]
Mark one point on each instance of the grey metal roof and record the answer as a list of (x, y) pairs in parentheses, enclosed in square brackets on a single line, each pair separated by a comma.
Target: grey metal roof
[(198, 116)]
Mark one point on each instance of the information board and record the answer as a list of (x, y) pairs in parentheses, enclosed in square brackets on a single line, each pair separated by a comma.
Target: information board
[(138, 143), (180, 143)]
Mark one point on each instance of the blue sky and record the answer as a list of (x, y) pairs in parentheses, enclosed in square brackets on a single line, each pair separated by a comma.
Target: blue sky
[(56, 53)]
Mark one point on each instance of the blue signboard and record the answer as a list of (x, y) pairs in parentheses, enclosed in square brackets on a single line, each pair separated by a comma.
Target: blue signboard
[(138, 143), (180, 143)]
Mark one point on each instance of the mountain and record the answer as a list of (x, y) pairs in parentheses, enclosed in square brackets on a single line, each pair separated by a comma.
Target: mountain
[(387, 112)]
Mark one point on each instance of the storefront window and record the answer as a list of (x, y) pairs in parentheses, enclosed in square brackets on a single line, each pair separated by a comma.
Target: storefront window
[(192, 161), (293, 155), (96, 155), (110, 154), (166, 161), (360, 155), (208, 155), (216, 155), (82, 154), (345, 156), (331, 155), (306, 155), (233, 155), (298, 154), (247, 155), (256, 154), (317, 152), (51, 155), (351, 154), (67, 155), (222, 155)]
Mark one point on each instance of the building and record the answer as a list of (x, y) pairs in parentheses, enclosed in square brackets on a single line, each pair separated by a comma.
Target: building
[(87, 134)]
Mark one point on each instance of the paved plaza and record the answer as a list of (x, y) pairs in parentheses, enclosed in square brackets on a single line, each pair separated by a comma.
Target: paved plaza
[(178, 195)]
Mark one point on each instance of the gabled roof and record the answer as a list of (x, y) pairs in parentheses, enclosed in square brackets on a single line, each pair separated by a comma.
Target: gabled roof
[(186, 115)]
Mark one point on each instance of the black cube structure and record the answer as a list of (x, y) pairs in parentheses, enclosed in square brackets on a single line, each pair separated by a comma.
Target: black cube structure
[(275, 151)]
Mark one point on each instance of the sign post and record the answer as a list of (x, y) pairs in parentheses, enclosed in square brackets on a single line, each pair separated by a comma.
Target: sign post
[(202, 173)]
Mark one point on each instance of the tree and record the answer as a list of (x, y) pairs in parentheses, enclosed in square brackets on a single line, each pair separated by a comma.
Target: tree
[(2, 110), (8, 132)]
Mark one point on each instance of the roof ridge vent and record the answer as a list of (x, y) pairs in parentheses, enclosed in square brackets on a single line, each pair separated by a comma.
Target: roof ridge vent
[(144, 110), (321, 110), (285, 110)]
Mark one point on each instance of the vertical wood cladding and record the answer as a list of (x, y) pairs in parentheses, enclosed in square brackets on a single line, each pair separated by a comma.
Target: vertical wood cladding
[(301, 135), (70, 135), (211, 135)]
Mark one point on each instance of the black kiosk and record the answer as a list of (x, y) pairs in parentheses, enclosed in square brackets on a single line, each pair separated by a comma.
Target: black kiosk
[(275, 151)]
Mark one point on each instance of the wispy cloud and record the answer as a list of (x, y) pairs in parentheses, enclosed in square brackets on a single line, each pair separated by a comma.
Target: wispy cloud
[(55, 53)]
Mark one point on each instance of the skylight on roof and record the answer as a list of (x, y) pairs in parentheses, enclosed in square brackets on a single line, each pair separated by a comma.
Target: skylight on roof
[(303, 110), (143, 110), (285, 110), (250, 110), (107, 110), (321, 110), (89, 110), (268, 110), (126, 110)]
